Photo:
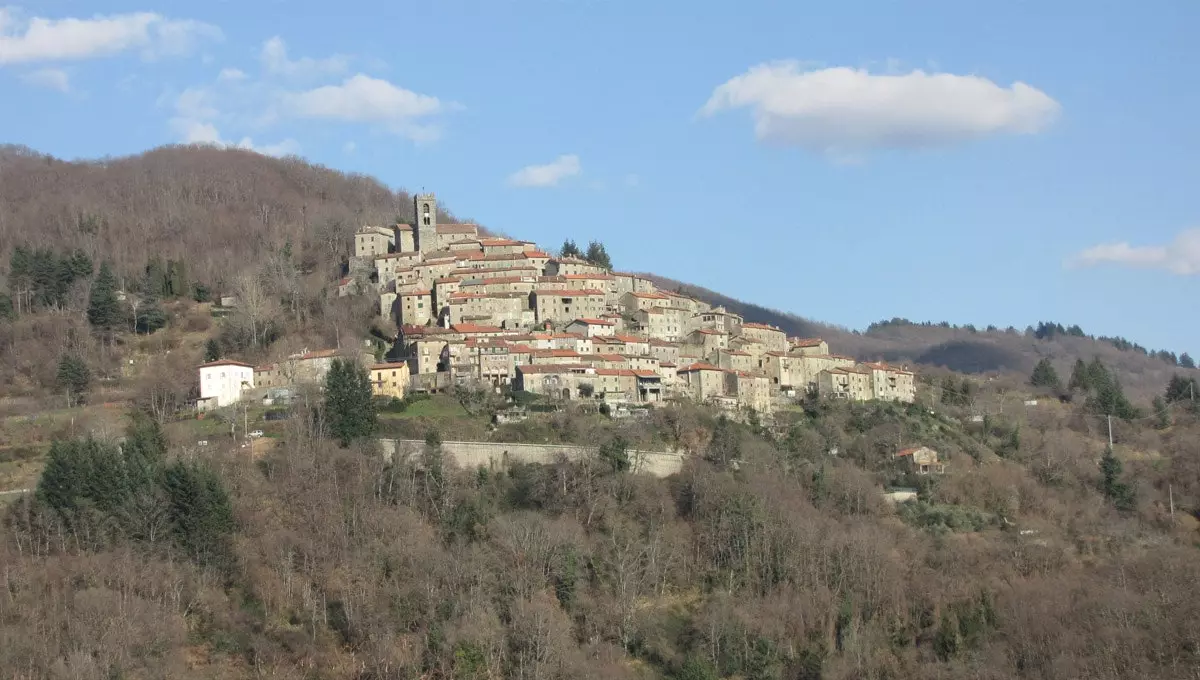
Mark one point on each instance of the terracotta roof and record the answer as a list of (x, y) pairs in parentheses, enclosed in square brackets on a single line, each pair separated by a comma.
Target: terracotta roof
[(910, 451), (609, 357), (393, 256), (526, 255), (667, 364), (629, 338), (567, 293), (647, 374), (419, 291), (448, 279), (403, 227), (879, 365), (662, 343), (804, 342), (500, 242), (457, 228), (650, 296), (384, 367), (225, 362), (499, 279), (706, 331), (557, 353), (601, 277), (474, 328), (317, 354), (553, 368), (761, 326), (594, 322), (519, 349)]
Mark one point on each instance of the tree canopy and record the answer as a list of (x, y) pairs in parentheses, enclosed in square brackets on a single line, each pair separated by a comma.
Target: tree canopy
[(349, 409)]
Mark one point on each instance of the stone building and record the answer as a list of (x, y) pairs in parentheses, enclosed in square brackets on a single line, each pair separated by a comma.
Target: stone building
[(849, 382), (560, 266), (415, 306), (370, 241), (922, 459), (774, 339), (566, 305)]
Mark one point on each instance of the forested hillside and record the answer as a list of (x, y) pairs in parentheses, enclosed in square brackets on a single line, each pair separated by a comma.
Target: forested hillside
[(1055, 537)]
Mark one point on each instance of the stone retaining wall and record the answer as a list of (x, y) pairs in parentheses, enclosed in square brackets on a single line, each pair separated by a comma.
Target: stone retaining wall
[(470, 455)]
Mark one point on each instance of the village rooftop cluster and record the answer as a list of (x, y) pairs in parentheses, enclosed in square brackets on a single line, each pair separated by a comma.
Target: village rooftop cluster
[(504, 313)]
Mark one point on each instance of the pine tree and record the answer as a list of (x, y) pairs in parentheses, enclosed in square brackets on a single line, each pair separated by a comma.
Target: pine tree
[(569, 249), (200, 512), (212, 350), (145, 450), (1162, 414), (598, 255), (348, 406), (1116, 491), (1186, 361), (1044, 375), (73, 378), (1080, 377), (104, 310), (61, 484)]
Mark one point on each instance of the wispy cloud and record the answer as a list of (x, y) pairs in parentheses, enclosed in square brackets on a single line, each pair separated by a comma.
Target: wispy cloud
[(39, 39), (363, 99), (275, 61), (1181, 256), (231, 75), (845, 111), (547, 175), (49, 78)]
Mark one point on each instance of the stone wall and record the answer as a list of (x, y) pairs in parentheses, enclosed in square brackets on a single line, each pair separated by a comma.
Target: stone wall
[(470, 455)]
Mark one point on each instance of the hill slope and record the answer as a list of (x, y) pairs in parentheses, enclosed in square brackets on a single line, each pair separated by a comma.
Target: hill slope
[(225, 208)]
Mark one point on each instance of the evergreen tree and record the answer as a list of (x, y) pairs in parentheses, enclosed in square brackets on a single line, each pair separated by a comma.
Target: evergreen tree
[(149, 316), (1080, 379), (1107, 397), (615, 452), (1162, 414), (1044, 375), (73, 378), (1181, 389), (966, 392), (177, 279), (1186, 361), (569, 249), (145, 450), (61, 484), (7, 312), (1116, 491), (200, 512), (950, 394), (104, 310), (726, 443), (598, 255), (212, 350), (349, 409), (155, 283)]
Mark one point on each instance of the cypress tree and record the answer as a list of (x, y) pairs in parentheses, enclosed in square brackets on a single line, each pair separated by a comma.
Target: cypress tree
[(104, 310), (212, 350), (348, 406), (1080, 377)]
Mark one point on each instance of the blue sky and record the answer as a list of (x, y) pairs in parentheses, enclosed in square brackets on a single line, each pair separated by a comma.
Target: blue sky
[(976, 162)]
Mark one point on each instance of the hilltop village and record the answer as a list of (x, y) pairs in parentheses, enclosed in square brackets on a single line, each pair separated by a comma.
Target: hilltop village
[(507, 314)]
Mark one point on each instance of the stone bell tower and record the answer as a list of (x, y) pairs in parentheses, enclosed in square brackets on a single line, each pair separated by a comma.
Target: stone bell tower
[(425, 209)]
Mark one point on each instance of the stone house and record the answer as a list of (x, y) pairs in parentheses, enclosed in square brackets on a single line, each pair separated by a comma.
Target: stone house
[(504, 284), (811, 346), (658, 323), (707, 341), (554, 357), (891, 384), (504, 246), (474, 273), (567, 305), (664, 350), (751, 391), (562, 266), (591, 328), (632, 302), (716, 319), (849, 382), (506, 310), (702, 382), (449, 233), (734, 360), (415, 306), (774, 339), (387, 305), (923, 460), (370, 241), (389, 380)]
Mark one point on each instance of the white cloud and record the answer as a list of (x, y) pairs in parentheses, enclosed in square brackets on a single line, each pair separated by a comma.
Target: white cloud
[(363, 99), (230, 75), (49, 78), (40, 39), (275, 61), (286, 147), (1181, 256), (547, 175), (845, 111)]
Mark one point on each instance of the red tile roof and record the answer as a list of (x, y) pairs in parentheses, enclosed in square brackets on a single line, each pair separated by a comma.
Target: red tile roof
[(474, 328), (761, 326), (419, 291), (650, 296), (558, 353), (804, 342), (594, 322), (568, 293), (700, 366)]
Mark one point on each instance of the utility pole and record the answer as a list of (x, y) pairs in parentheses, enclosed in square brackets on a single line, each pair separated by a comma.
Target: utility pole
[(1171, 498), (1110, 442)]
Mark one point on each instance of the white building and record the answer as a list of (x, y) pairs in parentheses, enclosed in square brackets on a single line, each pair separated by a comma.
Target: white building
[(222, 382)]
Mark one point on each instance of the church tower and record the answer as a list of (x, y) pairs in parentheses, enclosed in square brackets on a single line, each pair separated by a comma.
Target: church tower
[(425, 210)]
